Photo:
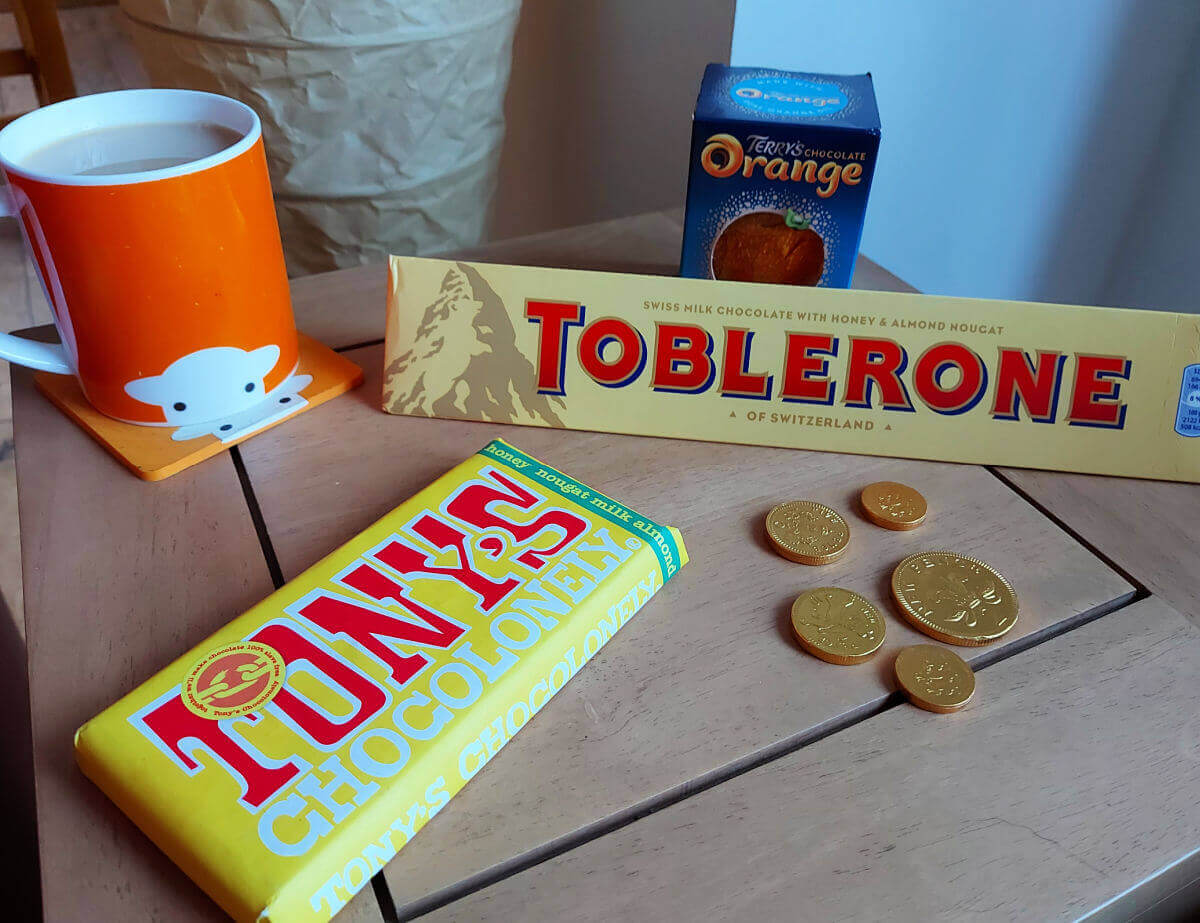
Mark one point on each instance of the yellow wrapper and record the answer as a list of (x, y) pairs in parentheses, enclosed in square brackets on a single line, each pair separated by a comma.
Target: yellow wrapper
[(1072, 388), (285, 760)]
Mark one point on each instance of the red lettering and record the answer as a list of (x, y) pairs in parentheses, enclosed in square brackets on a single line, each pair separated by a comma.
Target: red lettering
[(736, 378), (410, 561), (963, 394), (1019, 381), (1096, 392), (369, 626), (629, 362), (876, 363), (182, 733), (473, 505), (805, 376), (553, 318), (350, 683), (682, 358)]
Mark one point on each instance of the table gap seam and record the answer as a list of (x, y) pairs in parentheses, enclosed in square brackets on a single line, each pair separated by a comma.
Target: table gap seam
[(379, 885), (383, 897), (1065, 527), (256, 516), (732, 770), (353, 346)]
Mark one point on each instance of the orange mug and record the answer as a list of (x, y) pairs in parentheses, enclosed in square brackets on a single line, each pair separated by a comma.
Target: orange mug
[(164, 271)]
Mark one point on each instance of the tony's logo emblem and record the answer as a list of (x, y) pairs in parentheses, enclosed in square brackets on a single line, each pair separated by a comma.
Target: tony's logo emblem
[(234, 680)]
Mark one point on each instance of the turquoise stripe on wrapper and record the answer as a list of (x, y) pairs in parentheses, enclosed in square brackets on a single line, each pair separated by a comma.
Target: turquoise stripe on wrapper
[(659, 538)]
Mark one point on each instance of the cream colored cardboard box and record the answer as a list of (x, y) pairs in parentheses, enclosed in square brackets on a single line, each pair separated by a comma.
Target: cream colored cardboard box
[(1070, 388)]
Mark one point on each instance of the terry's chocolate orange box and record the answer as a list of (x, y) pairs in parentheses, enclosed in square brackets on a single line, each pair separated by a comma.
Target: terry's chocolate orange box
[(780, 170)]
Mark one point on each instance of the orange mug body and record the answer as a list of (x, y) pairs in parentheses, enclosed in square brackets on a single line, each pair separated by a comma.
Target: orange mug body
[(168, 287)]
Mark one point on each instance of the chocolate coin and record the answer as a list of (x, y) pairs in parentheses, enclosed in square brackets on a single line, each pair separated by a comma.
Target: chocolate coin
[(893, 506), (837, 625), (807, 532), (934, 678), (954, 598)]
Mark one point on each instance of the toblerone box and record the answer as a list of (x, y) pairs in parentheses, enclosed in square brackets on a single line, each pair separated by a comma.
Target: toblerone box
[(284, 760), (1071, 388)]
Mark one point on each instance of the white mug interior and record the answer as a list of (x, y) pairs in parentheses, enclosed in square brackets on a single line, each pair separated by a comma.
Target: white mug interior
[(38, 129)]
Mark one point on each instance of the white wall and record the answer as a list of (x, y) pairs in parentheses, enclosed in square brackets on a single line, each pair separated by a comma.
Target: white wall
[(599, 108), (1157, 260), (1017, 136)]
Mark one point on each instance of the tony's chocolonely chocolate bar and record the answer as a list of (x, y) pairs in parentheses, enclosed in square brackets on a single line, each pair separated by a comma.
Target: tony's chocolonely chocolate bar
[(289, 756), (1099, 390)]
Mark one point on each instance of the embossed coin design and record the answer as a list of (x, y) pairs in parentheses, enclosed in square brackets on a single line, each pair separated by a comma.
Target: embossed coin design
[(837, 625), (893, 506), (954, 598), (807, 532), (934, 678)]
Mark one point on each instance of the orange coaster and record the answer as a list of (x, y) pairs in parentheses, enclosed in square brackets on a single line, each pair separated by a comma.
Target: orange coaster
[(157, 452)]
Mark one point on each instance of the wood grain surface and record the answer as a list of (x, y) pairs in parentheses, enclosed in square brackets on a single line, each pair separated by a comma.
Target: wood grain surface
[(121, 577), (704, 680), (1066, 781), (1072, 777), (1148, 528)]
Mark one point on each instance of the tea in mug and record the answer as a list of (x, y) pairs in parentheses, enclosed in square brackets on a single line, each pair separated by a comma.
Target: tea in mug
[(133, 148)]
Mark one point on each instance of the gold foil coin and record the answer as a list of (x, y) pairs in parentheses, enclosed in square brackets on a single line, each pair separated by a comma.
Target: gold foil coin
[(807, 532), (837, 625), (893, 506), (934, 678), (954, 598)]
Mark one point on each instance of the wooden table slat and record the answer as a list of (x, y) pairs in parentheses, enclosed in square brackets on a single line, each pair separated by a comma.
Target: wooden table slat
[(706, 677), (1073, 777), (1148, 528), (121, 577)]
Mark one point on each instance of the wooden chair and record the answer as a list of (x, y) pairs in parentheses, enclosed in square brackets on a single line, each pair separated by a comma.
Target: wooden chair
[(44, 55)]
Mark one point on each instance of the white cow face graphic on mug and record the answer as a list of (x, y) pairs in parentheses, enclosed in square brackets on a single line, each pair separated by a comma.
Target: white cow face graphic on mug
[(219, 390)]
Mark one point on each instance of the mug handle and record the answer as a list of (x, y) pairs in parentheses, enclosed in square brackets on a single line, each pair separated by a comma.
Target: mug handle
[(46, 357)]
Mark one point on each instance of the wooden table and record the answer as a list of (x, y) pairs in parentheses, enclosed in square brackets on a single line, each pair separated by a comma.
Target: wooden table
[(701, 765)]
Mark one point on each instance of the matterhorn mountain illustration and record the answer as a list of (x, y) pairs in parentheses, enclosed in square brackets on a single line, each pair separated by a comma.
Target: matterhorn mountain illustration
[(489, 378)]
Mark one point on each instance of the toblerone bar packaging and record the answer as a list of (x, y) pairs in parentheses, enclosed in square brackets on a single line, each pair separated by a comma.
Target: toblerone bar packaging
[(1099, 390), (285, 760)]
